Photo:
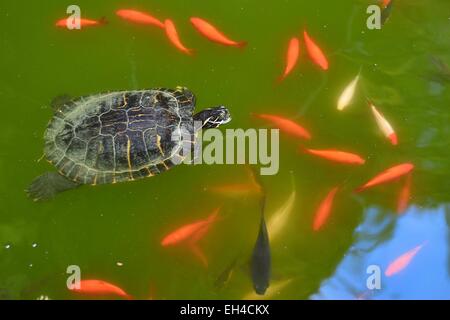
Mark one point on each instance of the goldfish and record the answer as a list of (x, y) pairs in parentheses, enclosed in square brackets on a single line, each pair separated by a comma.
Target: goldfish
[(405, 194), (390, 174), (139, 17), (83, 22), (100, 287), (280, 217), (347, 95), (324, 210), (384, 125), (172, 34), (291, 56), (199, 254), (261, 259), (274, 289), (384, 3), (402, 261), (336, 155), (288, 126), (239, 189), (212, 33), (314, 52), (386, 12), (187, 231)]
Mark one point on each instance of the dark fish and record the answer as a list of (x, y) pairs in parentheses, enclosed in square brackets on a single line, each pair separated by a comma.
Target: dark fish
[(442, 69), (386, 13), (261, 260), (225, 275)]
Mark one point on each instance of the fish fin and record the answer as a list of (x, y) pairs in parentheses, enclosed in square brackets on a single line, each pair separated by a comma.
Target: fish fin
[(199, 254)]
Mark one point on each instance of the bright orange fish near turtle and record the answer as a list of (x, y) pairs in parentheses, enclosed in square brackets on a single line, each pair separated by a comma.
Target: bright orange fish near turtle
[(213, 34)]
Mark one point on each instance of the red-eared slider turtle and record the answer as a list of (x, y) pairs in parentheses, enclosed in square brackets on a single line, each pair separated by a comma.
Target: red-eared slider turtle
[(119, 136)]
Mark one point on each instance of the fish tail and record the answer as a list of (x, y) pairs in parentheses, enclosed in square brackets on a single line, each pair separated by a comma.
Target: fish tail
[(241, 44), (103, 20)]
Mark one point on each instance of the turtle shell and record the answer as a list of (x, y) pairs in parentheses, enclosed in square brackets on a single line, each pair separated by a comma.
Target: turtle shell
[(119, 136)]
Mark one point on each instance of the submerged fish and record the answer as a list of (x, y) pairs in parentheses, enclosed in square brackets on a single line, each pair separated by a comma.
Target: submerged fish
[(83, 22), (384, 125), (314, 52), (388, 175), (347, 95), (386, 12), (291, 57), (212, 33), (402, 261), (261, 259), (239, 189), (286, 125), (173, 36), (336, 156), (187, 231), (139, 17), (324, 210), (225, 276), (279, 219), (100, 287), (405, 194)]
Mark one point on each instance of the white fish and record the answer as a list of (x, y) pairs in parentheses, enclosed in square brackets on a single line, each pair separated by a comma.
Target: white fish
[(384, 125), (279, 218), (347, 95)]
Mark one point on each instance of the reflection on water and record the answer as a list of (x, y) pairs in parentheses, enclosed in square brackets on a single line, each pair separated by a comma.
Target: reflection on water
[(380, 239)]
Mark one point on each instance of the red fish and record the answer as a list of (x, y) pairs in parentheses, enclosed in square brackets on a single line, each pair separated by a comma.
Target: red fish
[(324, 210), (384, 3), (139, 17), (403, 261), (83, 22), (286, 125), (337, 156), (291, 57), (384, 125), (404, 196), (212, 33), (315, 53), (172, 34), (187, 231), (100, 287), (388, 175)]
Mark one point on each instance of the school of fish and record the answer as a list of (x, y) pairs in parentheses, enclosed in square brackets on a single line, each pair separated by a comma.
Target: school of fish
[(189, 234)]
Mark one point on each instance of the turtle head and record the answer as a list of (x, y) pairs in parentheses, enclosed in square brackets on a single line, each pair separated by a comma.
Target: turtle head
[(213, 117)]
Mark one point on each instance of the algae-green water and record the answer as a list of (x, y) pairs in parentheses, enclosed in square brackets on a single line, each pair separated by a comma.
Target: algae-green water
[(113, 232)]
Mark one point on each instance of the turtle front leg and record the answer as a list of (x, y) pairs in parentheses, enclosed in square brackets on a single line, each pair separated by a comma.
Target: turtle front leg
[(46, 186)]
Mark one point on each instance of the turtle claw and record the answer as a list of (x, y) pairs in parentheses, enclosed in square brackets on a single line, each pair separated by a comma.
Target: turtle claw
[(46, 186)]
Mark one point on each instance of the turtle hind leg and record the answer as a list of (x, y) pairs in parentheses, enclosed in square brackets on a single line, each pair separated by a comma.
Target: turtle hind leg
[(46, 186)]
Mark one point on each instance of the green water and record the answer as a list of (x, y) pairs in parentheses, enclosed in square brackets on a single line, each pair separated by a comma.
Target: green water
[(97, 227)]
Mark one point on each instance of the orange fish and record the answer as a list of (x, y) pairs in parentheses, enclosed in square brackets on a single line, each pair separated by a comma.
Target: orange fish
[(185, 232), (337, 156), (212, 33), (403, 261), (172, 34), (83, 22), (139, 17), (324, 210), (404, 196), (286, 125), (315, 53), (384, 3), (388, 175), (100, 287), (291, 57)]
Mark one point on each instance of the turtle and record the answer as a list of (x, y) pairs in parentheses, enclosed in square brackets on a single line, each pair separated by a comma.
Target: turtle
[(120, 136)]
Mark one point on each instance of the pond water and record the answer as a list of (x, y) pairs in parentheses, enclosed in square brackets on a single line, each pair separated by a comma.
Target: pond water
[(114, 232)]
